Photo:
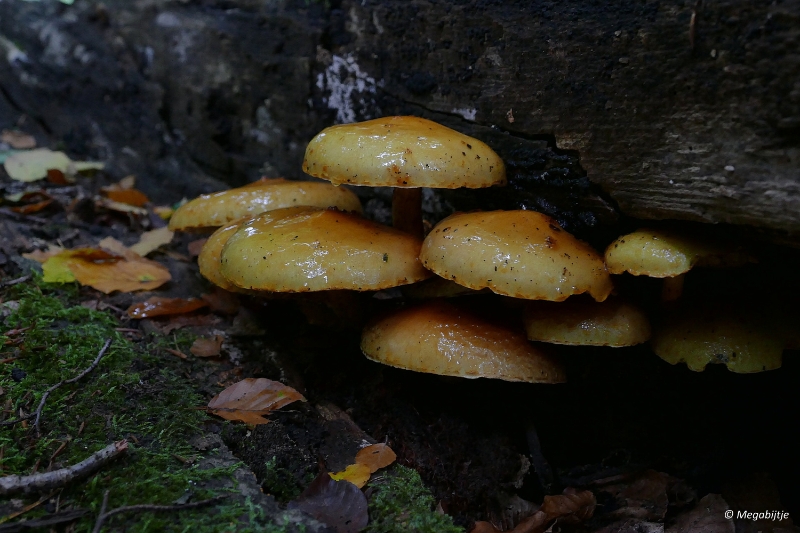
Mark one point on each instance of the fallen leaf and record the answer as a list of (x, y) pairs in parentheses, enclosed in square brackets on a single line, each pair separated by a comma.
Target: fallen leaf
[(376, 456), (57, 177), (182, 321), (17, 139), (115, 247), (43, 255), (195, 247), (33, 165), (357, 474), (249, 399), (85, 166), (571, 507), (160, 306), (163, 211), (338, 504), (32, 208), (645, 497), (151, 240), (104, 271), (119, 207), (207, 346), (126, 196)]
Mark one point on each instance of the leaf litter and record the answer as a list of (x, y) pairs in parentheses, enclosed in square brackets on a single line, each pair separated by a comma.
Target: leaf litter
[(251, 399)]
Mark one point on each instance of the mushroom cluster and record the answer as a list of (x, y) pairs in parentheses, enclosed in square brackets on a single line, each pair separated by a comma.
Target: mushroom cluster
[(273, 238)]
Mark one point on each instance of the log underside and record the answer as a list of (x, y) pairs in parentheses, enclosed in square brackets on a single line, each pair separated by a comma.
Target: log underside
[(653, 110)]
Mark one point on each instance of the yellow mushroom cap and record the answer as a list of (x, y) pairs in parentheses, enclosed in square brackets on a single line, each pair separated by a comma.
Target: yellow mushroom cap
[(664, 254), (523, 254), (220, 208), (438, 338), (304, 249), (745, 340), (582, 322), (209, 258), (402, 152)]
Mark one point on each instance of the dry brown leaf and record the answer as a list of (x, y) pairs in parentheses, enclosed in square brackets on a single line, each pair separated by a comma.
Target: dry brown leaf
[(376, 457), (151, 240), (195, 247), (160, 306), (115, 247), (120, 207), (132, 197), (57, 177), (182, 321), (43, 255), (570, 507), (18, 140), (207, 346), (248, 400), (32, 208)]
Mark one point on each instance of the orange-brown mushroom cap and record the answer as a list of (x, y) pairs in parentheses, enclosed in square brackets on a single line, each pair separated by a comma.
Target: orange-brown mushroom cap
[(402, 152), (523, 254), (209, 260), (438, 338), (311, 249), (583, 322), (220, 208)]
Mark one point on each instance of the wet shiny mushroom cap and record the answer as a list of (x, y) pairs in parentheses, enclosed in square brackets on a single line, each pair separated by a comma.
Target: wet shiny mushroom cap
[(522, 254), (438, 338), (220, 208), (311, 249), (583, 322), (209, 258), (743, 339), (663, 254), (402, 152)]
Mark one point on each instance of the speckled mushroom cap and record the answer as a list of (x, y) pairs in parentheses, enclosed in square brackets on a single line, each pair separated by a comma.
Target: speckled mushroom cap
[(402, 152), (220, 208), (523, 254), (744, 340), (438, 338), (304, 249), (209, 258), (663, 254), (583, 322)]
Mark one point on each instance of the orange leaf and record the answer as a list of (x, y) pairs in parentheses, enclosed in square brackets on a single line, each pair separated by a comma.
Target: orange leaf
[(159, 306), (32, 208), (207, 347), (107, 272), (248, 400), (357, 474), (132, 197), (56, 177), (376, 457)]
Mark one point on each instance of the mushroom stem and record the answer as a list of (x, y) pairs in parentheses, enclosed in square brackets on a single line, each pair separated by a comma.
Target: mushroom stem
[(407, 210), (672, 288)]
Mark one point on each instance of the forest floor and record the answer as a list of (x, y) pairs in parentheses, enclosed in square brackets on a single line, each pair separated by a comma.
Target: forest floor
[(471, 455)]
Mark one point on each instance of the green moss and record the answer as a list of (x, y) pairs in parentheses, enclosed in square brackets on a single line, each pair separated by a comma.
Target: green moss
[(402, 504), (280, 482), (135, 393)]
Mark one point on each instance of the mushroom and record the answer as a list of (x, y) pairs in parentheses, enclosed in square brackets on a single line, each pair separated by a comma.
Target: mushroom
[(668, 255), (739, 336), (523, 254), (406, 153), (208, 260), (438, 338), (220, 208), (304, 249), (583, 322)]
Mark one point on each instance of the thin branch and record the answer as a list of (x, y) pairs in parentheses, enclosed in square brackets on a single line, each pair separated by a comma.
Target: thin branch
[(58, 478), (15, 281), (103, 516), (38, 413), (65, 382)]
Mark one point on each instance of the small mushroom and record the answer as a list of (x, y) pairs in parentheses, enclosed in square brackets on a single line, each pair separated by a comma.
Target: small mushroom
[(582, 322), (305, 249), (523, 254), (668, 255), (438, 338), (220, 208), (741, 337), (406, 153)]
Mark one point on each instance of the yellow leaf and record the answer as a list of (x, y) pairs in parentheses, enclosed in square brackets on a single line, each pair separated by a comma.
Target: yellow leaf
[(33, 165), (151, 240), (356, 474), (56, 269)]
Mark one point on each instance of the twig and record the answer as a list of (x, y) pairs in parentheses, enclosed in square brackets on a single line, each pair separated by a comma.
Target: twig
[(38, 413), (48, 521), (57, 478), (103, 516), (67, 381), (15, 281)]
